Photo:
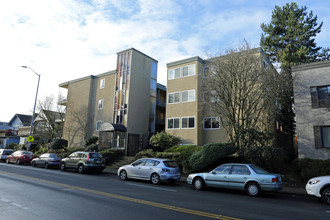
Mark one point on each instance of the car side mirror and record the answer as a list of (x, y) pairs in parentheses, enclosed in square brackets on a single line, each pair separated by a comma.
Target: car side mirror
[(213, 172)]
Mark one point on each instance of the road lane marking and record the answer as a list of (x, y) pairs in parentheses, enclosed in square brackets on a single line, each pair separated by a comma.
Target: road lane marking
[(151, 187), (125, 198)]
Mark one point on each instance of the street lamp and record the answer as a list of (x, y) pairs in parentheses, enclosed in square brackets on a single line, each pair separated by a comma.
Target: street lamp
[(35, 102)]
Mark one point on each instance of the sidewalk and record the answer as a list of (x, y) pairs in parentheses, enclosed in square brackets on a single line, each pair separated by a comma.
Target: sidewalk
[(286, 189)]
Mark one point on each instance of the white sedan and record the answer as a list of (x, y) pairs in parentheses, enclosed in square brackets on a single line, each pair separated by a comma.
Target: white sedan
[(319, 187)]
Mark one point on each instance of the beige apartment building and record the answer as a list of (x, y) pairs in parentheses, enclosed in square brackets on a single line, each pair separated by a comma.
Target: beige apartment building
[(119, 106), (187, 116), (312, 106)]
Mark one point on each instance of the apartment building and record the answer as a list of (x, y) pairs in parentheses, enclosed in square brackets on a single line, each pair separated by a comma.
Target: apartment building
[(187, 115), (312, 107), (119, 106)]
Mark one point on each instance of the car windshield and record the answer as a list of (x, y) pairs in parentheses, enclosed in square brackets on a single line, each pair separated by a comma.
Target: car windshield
[(26, 152), (170, 164), (258, 170)]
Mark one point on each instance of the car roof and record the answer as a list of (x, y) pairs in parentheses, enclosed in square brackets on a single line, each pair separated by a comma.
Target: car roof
[(155, 158)]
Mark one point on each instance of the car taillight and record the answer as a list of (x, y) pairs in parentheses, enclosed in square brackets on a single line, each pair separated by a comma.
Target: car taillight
[(275, 180), (166, 170), (88, 159)]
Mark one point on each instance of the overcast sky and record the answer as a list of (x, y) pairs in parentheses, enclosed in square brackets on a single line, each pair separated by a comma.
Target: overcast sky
[(64, 40)]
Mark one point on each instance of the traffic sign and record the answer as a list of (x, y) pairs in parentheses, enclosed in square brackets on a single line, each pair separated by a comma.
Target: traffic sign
[(30, 139)]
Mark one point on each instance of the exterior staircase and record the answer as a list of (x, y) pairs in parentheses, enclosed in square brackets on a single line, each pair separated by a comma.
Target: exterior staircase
[(125, 160)]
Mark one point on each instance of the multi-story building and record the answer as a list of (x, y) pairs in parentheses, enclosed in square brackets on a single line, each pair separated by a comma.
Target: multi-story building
[(312, 107), (119, 105), (187, 115)]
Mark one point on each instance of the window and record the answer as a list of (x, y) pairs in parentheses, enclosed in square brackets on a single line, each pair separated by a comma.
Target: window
[(173, 123), (214, 97), (211, 123), (188, 70), (322, 136), (188, 96), (320, 96), (175, 73), (223, 169), (98, 125), (174, 97), (240, 170), (100, 105), (102, 83), (188, 122), (206, 71)]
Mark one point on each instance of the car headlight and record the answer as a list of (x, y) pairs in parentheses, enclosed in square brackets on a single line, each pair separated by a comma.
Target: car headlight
[(312, 182)]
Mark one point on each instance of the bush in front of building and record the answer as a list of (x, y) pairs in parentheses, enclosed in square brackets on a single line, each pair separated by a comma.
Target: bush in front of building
[(11, 146), (145, 153), (58, 144), (91, 140), (308, 168), (163, 141), (111, 155), (92, 147)]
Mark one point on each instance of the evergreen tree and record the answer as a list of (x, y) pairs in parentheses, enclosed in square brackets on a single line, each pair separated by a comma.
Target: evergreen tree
[(290, 36)]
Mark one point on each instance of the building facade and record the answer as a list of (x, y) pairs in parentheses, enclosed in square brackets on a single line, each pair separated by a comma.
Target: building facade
[(312, 107), (187, 114), (119, 106)]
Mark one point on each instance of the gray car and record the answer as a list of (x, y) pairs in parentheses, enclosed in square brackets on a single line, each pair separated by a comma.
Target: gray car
[(248, 177), (4, 153), (47, 160), (83, 161), (152, 169)]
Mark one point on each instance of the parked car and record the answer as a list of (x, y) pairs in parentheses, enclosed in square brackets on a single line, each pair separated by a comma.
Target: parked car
[(248, 177), (153, 169), (319, 187), (83, 161), (47, 160), (20, 157), (4, 153)]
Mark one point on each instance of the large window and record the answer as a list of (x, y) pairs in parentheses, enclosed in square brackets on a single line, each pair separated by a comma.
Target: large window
[(173, 123), (188, 96), (320, 96), (322, 136), (184, 71), (211, 123), (174, 97), (188, 122), (100, 104), (185, 96)]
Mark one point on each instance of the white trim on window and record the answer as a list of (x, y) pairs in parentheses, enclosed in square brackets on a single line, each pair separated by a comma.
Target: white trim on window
[(180, 72), (188, 126), (211, 122), (102, 83), (100, 104), (178, 97), (173, 123)]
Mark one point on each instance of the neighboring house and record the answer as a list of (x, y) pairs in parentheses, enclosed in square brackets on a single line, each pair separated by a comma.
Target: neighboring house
[(312, 108), (17, 130), (119, 106), (49, 124), (187, 114)]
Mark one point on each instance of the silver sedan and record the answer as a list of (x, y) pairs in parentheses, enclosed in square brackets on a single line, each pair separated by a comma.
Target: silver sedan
[(246, 177), (152, 169)]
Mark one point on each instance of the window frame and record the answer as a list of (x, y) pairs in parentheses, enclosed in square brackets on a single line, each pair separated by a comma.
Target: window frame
[(97, 128), (174, 118), (172, 72), (217, 117), (100, 104), (102, 83), (315, 97), (188, 117)]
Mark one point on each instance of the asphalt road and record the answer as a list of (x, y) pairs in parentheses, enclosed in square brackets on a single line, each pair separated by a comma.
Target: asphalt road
[(37, 193)]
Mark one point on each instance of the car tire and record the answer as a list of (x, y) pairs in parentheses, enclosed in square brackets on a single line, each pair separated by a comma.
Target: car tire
[(34, 164), (199, 183), (123, 175), (326, 196), (81, 168), (253, 189), (18, 162), (62, 166), (46, 165), (155, 179)]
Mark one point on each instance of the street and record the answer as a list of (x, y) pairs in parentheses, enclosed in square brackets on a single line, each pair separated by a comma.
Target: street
[(36, 193)]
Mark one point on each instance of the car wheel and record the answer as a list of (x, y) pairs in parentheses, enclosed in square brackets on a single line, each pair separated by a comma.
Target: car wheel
[(18, 162), (34, 164), (199, 183), (123, 175), (252, 189), (62, 166), (326, 196), (46, 165), (81, 168), (155, 178)]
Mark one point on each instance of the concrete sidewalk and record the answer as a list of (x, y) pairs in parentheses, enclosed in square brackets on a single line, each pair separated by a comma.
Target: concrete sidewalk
[(286, 189)]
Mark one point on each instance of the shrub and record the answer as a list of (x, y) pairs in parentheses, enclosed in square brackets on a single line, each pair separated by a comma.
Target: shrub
[(93, 147), (162, 141), (180, 148), (270, 158), (111, 155), (169, 155), (11, 146), (41, 150), (91, 140), (309, 168), (145, 153), (58, 144), (186, 153)]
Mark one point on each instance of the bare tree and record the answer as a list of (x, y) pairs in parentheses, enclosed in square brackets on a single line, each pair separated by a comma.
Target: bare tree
[(242, 92)]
